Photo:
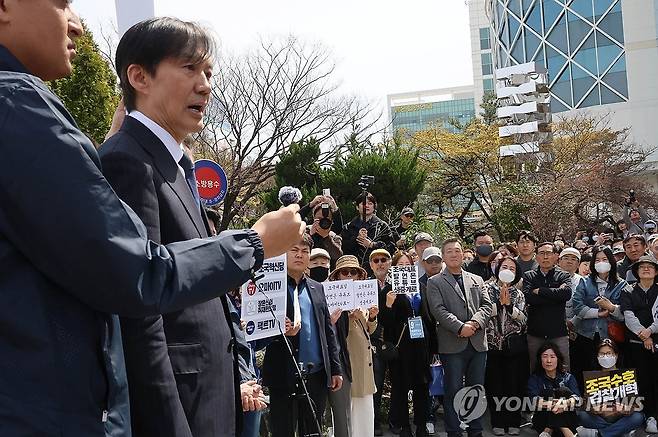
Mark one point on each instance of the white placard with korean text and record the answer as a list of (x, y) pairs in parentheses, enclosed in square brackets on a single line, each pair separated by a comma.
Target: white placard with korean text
[(269, 292), (404, 279), (348, 295)]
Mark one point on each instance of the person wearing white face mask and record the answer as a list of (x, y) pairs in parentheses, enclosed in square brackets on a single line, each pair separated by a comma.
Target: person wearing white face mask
[(608, 419), (597, 303), (507, 358)]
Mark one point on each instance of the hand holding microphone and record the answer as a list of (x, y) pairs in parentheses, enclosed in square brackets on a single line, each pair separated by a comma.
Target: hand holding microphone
[(280, 230)]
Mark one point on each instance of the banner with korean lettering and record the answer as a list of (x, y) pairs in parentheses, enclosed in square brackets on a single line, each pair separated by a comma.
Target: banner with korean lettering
[(404, 279), (610, 385), (348, 295), (266, 296)]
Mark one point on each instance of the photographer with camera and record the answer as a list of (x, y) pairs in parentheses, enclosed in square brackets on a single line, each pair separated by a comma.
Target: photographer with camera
[(634, 215), (366, 232), (327, 222)]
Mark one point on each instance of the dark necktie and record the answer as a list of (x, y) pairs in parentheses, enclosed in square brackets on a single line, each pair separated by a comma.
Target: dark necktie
[(188, 167)]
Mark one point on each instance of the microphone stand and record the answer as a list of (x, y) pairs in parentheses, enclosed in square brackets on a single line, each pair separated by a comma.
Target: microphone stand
[(300, 383)]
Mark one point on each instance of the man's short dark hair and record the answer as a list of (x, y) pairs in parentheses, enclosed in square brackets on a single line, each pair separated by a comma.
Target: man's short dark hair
[(369, 197), (151, 41), (448, 241), (527, 235), (554, 247), (479, 234), (638, 237)]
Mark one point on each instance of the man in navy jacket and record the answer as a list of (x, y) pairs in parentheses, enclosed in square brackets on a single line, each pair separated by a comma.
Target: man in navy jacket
[(64, 273)]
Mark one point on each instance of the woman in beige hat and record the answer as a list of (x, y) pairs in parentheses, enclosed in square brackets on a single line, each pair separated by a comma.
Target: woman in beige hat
[(361, 323)]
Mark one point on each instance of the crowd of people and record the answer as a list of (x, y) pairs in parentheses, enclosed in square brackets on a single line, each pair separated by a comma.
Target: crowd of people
[(121, 312), (524, 319)]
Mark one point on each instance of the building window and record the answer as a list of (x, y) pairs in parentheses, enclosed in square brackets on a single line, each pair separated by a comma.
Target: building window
[(487, 67), (485, 42), (580, 42), (487, 85)]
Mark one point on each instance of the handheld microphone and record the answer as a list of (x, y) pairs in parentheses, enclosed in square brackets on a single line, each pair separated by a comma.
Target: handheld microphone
[(289, 195)]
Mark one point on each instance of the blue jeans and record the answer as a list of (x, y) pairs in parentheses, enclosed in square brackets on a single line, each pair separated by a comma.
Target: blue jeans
[(471, 364), (251, 424), (611, 429)]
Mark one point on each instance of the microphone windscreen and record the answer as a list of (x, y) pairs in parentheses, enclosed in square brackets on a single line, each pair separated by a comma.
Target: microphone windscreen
[(289, 195)]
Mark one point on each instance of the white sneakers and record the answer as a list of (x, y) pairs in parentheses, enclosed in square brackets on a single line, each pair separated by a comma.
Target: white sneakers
[(498, 431), (429, 426), (652, 427), (585, 432), (544, 434), (513, 431)]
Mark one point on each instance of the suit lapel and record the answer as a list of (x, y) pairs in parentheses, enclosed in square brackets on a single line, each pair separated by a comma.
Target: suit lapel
[(168, 169), (447, 276), (313, 295)]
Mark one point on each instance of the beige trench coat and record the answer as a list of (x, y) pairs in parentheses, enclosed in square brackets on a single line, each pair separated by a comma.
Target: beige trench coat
[(360, 350)]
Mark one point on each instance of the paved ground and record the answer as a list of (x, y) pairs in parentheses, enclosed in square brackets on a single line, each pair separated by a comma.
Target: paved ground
[(526, 431)]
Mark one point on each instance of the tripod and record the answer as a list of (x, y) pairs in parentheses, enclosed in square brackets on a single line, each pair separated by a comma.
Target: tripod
[(301, 395), (302, 398)]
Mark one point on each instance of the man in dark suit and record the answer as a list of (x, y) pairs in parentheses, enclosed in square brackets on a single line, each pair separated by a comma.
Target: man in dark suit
[(309, 332), (182, 375), (65, 273)]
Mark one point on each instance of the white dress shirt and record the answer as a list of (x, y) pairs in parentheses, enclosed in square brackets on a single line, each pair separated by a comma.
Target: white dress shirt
[(174, 149)]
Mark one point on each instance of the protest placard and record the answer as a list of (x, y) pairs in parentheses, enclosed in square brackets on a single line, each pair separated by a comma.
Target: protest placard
[(348, 295), (610, 385), (404, 279), (266, 296)]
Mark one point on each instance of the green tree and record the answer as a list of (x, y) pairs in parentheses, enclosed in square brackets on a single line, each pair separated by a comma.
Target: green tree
[(299, 168), (90, 92), (489, 107), (399, 178)]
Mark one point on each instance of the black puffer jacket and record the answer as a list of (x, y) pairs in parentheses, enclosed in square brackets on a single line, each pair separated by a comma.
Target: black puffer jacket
[(546, 309)]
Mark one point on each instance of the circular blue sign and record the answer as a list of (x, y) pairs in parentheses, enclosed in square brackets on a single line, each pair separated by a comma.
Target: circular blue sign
[(251, 327), (211, 181)]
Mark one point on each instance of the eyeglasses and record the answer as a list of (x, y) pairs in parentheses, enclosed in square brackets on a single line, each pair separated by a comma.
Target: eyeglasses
[(434, 260), (544, 253), (380, 260), (409, 215), (349, 272)]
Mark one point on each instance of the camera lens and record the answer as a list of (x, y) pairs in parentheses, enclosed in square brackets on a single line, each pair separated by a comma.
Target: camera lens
[(325, 223)]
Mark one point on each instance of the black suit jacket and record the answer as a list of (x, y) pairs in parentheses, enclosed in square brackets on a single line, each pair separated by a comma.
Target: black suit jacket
[(278, 370), (180, 366), (72, 254)]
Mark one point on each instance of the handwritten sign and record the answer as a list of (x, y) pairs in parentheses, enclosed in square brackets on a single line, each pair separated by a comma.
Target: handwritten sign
[(348, 295)]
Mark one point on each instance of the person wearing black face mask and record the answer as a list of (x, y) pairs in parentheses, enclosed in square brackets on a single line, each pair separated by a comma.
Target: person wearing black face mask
[(318, 267), (483, 249), (322, 235)]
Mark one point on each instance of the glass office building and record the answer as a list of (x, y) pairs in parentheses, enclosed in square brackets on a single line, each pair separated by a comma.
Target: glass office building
[(420, 116), (580, 42)]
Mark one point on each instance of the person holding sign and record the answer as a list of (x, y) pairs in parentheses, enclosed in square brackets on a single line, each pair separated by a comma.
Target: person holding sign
[(640, 308), (610, 419), (461, 306), (361, 324), (406, 324), (309, 333)]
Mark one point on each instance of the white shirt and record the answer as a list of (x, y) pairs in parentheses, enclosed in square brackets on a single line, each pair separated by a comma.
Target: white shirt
[(174, 149)]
